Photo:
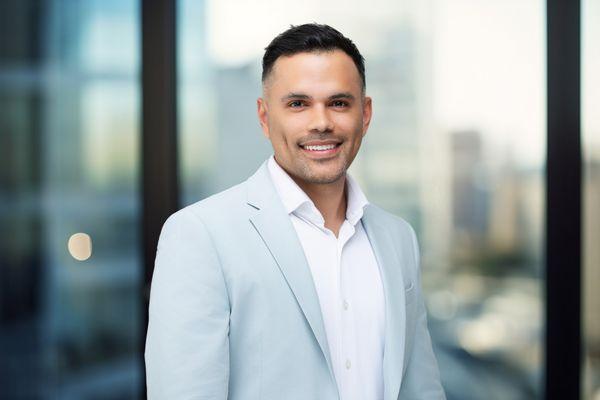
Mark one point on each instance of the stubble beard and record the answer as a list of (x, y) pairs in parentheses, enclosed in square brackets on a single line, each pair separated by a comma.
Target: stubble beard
[(308, 174)]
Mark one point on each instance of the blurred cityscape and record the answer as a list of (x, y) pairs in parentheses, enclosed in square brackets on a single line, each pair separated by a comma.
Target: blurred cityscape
[(473, 189), (478, 213), (69, 163)]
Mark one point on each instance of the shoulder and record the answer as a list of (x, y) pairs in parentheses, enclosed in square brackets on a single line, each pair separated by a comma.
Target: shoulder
[(402, 232), (397, 225), (227, 201), (217, 207)]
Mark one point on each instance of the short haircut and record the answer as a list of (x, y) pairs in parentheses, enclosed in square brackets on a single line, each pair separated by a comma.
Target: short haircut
[(309, 38)]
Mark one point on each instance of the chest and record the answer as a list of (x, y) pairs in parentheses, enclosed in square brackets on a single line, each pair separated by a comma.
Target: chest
[(344, 270)]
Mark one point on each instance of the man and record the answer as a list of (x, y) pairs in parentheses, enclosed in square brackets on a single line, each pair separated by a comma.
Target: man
[(291, 285)]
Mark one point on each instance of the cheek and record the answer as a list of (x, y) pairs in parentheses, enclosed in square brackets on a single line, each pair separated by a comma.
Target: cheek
[(282, 141), (352, 126), (351, 121), (289, 131)]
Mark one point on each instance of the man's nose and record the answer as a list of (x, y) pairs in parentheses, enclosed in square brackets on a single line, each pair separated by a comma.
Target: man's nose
[(321, 120)]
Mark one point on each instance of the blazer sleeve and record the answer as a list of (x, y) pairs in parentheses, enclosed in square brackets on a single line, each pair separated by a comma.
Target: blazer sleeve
[(422, 377), (187, 343)]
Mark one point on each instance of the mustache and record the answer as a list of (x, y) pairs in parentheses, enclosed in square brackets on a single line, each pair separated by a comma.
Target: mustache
[(320, 138)]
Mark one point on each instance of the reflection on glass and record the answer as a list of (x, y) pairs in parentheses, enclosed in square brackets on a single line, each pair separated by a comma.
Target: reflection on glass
[(591, 199), (69, 328), (456, 147), (80, 246)]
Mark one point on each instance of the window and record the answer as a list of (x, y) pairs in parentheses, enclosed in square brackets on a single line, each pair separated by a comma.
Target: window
[(69, 115), (591, 197), (457, 82)]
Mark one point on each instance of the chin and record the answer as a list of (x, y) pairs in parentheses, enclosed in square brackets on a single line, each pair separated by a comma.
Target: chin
[(317, 174), (325, 178)]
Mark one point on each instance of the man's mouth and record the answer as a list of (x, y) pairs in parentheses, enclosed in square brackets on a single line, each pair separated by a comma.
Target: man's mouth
[(323, 147)]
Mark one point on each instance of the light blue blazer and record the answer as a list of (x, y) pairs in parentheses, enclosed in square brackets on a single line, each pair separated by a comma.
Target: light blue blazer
[(234, 312)]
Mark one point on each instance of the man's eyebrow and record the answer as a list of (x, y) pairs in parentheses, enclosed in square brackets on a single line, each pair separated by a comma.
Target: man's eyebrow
[(292, 95), (342, 95)]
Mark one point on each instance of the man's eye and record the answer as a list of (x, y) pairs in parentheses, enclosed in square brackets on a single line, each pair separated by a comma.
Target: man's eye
[(340, 103), (296, 104)]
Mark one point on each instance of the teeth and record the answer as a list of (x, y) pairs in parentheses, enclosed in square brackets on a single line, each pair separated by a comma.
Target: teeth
[(320, 148)]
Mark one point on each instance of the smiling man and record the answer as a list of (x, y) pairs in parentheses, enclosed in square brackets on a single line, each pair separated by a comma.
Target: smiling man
[(291, 285)]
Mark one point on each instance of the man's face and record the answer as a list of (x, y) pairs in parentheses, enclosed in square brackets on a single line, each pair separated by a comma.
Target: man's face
[(314, 112)]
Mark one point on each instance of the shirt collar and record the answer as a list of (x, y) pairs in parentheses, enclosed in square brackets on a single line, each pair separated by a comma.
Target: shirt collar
[(357, 201), (295, 200)]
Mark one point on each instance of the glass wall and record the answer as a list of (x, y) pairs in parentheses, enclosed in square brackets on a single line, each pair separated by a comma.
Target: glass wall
[(456, 147), (69, 260), (591, 198)]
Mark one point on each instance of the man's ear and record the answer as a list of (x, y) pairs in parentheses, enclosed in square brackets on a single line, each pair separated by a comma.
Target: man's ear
[(367, 113), (263, 118)]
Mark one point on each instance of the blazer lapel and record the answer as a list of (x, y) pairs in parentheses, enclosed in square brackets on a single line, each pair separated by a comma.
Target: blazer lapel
[(273, 224), (395, 311)]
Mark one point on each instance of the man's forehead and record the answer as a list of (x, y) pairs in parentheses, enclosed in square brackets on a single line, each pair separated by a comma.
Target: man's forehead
[(333, 96), (298, 72)]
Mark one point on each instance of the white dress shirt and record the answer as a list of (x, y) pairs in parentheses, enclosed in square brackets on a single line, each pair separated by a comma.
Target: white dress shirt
[(348, 283)]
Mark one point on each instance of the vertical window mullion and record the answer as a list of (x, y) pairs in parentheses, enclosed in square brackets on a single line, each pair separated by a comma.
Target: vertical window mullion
[(563, 202), (160, 188)]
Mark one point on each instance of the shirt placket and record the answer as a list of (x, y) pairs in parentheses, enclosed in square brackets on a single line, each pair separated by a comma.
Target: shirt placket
[(348, 338)]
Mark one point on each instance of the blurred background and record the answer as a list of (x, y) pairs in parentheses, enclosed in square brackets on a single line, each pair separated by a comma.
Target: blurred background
[(457, 147)]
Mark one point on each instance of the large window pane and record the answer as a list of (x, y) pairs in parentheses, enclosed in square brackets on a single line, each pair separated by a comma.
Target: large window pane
[(69, 97), (456, 147), (591, 199)]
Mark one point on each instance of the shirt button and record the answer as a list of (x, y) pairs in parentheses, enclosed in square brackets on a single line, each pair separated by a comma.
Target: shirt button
[(345, 305), (348, 365)]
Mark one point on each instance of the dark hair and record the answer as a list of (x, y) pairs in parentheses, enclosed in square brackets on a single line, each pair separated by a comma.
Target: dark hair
[(311, 38)]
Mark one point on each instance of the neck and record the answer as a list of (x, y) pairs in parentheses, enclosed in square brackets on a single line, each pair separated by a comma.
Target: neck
[(330, 199)]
